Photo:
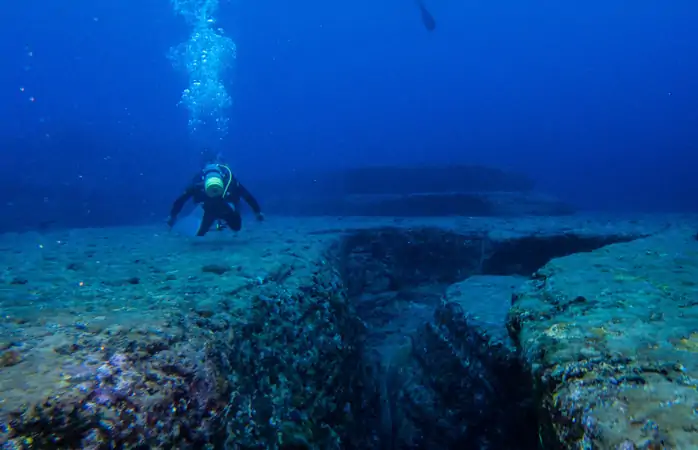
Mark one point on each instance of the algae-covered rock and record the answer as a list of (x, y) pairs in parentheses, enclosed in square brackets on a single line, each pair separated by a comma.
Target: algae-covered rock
[(611, 338)]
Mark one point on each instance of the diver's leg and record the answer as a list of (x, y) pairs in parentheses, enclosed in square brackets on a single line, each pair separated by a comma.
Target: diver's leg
[(232, 218), (206, 222)]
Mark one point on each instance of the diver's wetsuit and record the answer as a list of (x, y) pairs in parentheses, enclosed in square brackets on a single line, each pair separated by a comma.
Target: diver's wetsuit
[(226, 208)]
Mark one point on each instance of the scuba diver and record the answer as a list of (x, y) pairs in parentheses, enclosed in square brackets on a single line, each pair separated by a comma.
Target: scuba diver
[(219, 192), (427, 19)]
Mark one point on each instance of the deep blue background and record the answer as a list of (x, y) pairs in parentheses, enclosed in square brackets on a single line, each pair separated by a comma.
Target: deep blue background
[(597, 100)]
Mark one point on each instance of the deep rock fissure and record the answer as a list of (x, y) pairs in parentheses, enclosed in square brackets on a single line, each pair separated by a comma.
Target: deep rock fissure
[(444, 371)]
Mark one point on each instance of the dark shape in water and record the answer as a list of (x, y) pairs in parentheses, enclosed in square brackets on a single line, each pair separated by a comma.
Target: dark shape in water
[(427, 18)]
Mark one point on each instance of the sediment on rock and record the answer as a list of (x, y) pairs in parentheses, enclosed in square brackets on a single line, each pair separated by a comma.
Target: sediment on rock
[(129, 395), (610, 339)]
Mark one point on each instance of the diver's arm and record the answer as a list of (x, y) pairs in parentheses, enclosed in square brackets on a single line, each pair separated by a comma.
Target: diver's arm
[(245, 194), (179, 203)]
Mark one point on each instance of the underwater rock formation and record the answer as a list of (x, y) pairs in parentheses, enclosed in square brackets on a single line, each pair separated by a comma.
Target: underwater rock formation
[(423, 205), (404, 180), (409, 192), (332, 334), (610, 338)]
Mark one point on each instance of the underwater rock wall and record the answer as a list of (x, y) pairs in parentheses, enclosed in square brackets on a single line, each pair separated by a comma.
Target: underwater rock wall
[(296, 368)]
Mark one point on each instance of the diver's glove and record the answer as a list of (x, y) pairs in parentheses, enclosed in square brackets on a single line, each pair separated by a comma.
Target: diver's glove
[(260, 217), (171, 221)]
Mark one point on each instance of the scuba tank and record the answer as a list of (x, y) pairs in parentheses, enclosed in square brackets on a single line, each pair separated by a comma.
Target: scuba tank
[(215, 183)]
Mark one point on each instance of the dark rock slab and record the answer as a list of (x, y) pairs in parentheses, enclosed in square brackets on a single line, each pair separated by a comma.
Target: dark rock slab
[(450, 178), (611, 339), (416, 191), (401, 180), (422, 205)]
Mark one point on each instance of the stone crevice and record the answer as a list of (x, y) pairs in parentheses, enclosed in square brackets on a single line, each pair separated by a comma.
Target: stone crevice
[(473, 389)]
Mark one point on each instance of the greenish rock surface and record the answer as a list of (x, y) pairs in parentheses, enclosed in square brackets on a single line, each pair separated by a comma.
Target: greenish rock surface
[(611, 339)]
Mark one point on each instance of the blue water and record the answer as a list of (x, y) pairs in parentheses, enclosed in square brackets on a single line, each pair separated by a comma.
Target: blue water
[(595, 100), (350, 332)]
